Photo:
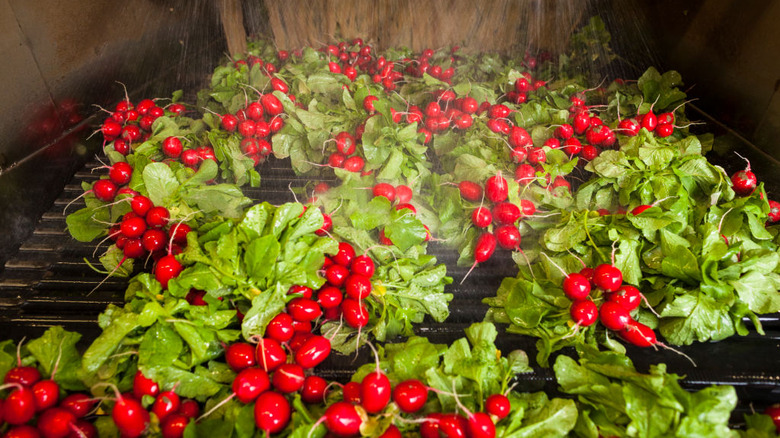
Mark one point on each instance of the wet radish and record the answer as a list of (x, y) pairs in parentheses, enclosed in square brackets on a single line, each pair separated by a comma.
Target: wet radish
[(272, 412)]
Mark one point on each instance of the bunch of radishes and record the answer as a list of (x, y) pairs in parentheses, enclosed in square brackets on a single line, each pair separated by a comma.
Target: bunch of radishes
[(376, 395), (522, 86), (256, 122), (345, 156), (617, 301), (443, 112), (744, 183), (131, 124), (268, 67), (33, 407), (500, 215), (426, 64)]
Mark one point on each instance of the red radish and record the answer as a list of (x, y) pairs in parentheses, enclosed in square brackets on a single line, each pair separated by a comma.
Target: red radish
[(355, 313), (313, 351), (19, 405), (272, 412), (179, 233), (384, 189), (433, 109), (110, 129), (410, 396), (576, 286), (639, 209), (638, 334), (430, 427), (304, 309), (584, 312), (481, 217), (249, 384), (480, 425), (409, 207), (104, 189), (470, 191), (403, 194), (79, 404), (498, 405), (144, 386), (375, 392), (345, 255), (525, 174), (357, 287), (336, 275), (189, 408), (271, 104), (288, 378), (527, 207), (84, 429), (453, 426), (157, 217), (573, 146), (486, 244), (174, 425), (241, 355), (590, 152), (133, 227), (354, 163), (774, 211), (167, 403), (23, 375), (519, 155), (564, 131), (498, 111), (392, 431), (649, 121), (627, 296), (336, 159), (121, 146), (629, 127), (140, 205), (167, 268), (46, 394), (172, 147), (269, 354), (537, 155), (498, 126), (581, 123), (130, 417), (496, 188), (508, 237), (279, 85), (247, 128), (329, 297), (613, 316), (120, 173), (345, 143), (23, 431), (519, 137), (774, 412), (506, 213), (607, 277), (743, 182), (665, 119), (229, 122), (342, 419), (55, 423), (664, 130), (368, 104), (351, 393), (314, 389), (190, 158), (363, 265), (326, 225), (255, 111)]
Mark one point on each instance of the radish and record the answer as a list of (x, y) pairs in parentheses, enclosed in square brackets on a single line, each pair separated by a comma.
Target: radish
[(537, 155), (271, 105), (167, 403), (481, 217), (272, 412), (336, 159), (525, 174), (133, 227), (130, 417), (329, 297), (430, 426), (314, 389), (19, 405), (23, 375), (120, 173), (576, 286), (375, 392), (409, 207), (584, 312), (480, 425), (46, 394), (345, 143), (78, 403), (403, 193), (288, 378), (172, 146), (496, 188), (519, 155), (384, 189), (304, 309), (269, 354), (613, 316), (564, 131), (363, 265), (506, 213), (104, 190), (144, 386), (486, 244), (23, 431), (392, 431), (773, 411), (649, 121), (743, 182), (174, 425), (498, 111), (410, 396), (354, 163), (313, 351), (241, 355), (638, 334), (470, 191), (357, 287), (157, 217), (552, 143), (246, 128), (453, 426), (167, 268), (355, 313), (249, 384), (508, 237), (629, 127), (368, 104), (55, 423), (229, 122), (336, 275), (581, 122), (607, 277), (627, 297), (498, 405), (342, 419), (774, 211), (498, 126)]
